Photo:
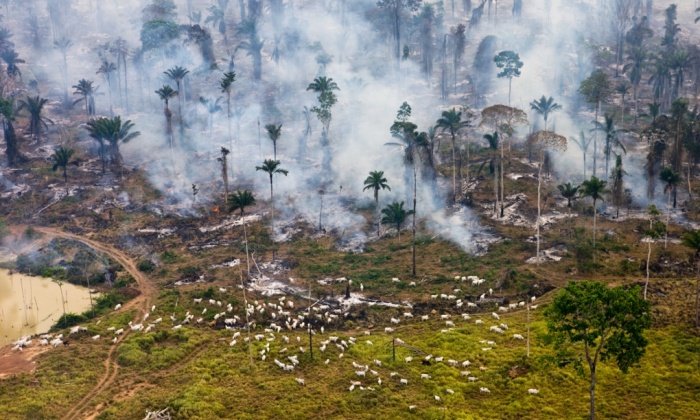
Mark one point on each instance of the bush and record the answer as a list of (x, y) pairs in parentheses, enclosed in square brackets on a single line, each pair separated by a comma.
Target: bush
[(146, 266), (69, 320), (124, 281), (169, 257)]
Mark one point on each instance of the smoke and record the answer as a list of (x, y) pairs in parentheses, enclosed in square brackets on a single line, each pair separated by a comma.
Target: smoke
[(312, 39)]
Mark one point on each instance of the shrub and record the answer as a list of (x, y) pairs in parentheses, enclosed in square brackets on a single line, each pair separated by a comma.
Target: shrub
[(69, 320), (146, 266), (169, 257)]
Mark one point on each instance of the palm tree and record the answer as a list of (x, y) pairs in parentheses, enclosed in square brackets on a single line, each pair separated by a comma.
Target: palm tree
[(217, 18), (61, 159), (376, 181), (650, 234), (274, 132), (595, 189), (493, 140), (544, 107), (106, 69), (272, 167), (679, 61), (623, 89), (165, 94), (8, 112), (239, 200), (95, 131), (452, 122), (226, 84), (35, 106), (11, 58), (115, 133), (86, 90), (212, 106), (253, 46), (671, 178), (611, 137), (569, 192), (178, 74), (583, 144), (692, 240), (654, 110), (63, 44), (395, 214), (322, 84), (637, 61)]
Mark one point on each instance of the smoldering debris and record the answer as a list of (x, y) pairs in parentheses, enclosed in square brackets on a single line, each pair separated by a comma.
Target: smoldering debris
[(227, 264), (554, 254), (233, 221), (161, 233)]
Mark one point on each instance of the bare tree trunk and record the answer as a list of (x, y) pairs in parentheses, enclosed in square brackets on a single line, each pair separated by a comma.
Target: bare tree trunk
[(247, 318), (539, 207), (503, 185), (646, 285), (413, 245), (592, 392), (595, 218)]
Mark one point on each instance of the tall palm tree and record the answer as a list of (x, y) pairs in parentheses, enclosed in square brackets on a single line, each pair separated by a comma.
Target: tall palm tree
[(322, 84), (87, 91), (178, 74), (671, 178), (96, 133), (493, 140), (274, 132), (451, 121), (226, 85), (679, 61), (395, 214), (544, 106), (375, 182), (106, 69), (217, 17), (692, 240), (612, 138), (568, 192), (583, 144), (595, 189), (637, 60), (35, 106), (63, 44), (8, 112), (253, 45), (272, 167), (623, 89), (166, 93), (212, 106), (61, 158)]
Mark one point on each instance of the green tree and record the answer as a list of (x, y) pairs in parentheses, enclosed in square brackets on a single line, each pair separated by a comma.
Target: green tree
[(61, 158), (115, 133), (612, 137), (545, 106), (375, 182), (274, 131), (623, 89), (11, 59), (604, 323), (324, 86), (510, 64), (595, 189), (596, 89), (692, 240), (452, 122), (618, 187), (8, 112), (272, 167), (395, 214), (35, 107), (671, 179), (178, 74), (87, 91), (637, 58), (239, 200), (569, 193)]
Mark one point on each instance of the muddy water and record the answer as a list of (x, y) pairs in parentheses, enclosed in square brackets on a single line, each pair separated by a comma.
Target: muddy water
[(31, 305)]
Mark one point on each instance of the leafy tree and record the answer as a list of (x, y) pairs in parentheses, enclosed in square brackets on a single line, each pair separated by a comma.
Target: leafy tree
[(115, 133), (35, 107), (324, 86), (375, 182), (612, 138), (106, 69), (274, 132), (395, 214), (608, 323), (272, 167), (510, 64), (692, 240), (253, 45), (61, 158), (618, 189), (160, 10), (452, 122), (166, 93), (87, 91), (595, 89), (158, 33), (8, 112), (395, 9), (544, 107), (595, 189)]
